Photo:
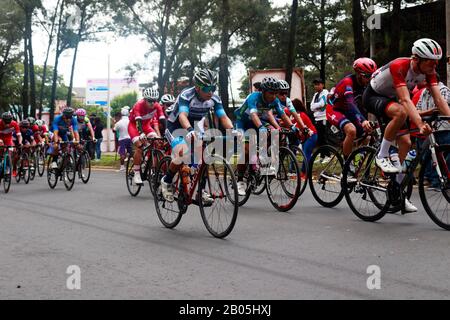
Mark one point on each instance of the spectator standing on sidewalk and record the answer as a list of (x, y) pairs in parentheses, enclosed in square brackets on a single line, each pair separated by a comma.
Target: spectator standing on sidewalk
[(318, 106), (98, 130), (125, 144)]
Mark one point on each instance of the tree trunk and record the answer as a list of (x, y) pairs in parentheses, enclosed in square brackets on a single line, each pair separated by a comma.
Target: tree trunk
[(323, 31), (394, 47), (44, 76), (291, 48), (55, 70), (357, 22), (80, 31), (223, 61), (29, 32), (25, 88)]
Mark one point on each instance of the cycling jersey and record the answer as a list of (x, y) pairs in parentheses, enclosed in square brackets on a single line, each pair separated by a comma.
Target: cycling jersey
[(398, 73), (63, 128), (189, 102), (142, 112), (288, 106), (27, 136), (6, 132), (255, 104)]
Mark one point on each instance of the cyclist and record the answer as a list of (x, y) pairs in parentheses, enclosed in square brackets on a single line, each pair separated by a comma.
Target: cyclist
[(63, 125), (256, 113), (39, 131), (85, 130), (287, 105), (140, 127), (167, 102), (344, 110), (192, 105), (7, 127), (388, 96), (27, 134)]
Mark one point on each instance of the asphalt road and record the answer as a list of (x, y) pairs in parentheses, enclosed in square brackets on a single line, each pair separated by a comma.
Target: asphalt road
[(123, 251)]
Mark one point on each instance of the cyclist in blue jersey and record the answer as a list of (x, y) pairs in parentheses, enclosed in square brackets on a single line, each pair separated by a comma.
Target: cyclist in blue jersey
[(63, 125), (256, 113), (191, 107)]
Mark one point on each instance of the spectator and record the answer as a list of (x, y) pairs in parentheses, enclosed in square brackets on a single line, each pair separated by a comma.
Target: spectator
[(425, 105), (98, 130), (117, 118), (125, 144), (318, 106)]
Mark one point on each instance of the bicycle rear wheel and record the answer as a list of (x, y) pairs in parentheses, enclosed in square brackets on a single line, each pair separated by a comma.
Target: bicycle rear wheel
[(84, 168), (283, 189), (133, 188), (436, 201), (366, 189), (69, 171), (169, 213), (219, 216), (155, 158), (325, 177), (26, 168)]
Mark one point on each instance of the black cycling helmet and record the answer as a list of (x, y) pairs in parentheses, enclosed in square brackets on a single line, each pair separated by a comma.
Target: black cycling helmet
[(7, 117), (25, 124), (205, 78), (68, 112), (270, 84)]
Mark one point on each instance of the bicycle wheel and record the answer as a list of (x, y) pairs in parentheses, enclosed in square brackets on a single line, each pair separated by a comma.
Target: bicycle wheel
[(7, 172), (84, 167), (248, 178), (325, 177), (283, 189), (32, 164), (436, 201), (26, 171), (303, 163), (169, 213), (69, 171), (155, 158), (40, 162), (259, 184), (219, 216), (366, 189), (52, 174), (133, 188)]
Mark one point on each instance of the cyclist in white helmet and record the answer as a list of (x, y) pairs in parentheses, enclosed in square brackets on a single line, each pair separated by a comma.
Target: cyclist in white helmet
[(388, 96)]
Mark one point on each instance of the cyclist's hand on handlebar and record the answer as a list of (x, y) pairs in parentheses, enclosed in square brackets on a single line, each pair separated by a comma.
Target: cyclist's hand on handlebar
[(143, 137), (367, 127), (237, 133), (425, 129), (191, 135)]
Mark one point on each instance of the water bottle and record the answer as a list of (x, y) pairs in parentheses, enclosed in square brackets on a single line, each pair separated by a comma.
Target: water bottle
[(409, 159)]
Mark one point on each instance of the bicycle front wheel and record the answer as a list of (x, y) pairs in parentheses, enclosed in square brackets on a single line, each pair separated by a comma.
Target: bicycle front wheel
[(52, 174), (133, 188), (40, 162), (218, 197), (326, 166), (26, 168), (436, 199), (7, 172), (69, 171), (84, 167)]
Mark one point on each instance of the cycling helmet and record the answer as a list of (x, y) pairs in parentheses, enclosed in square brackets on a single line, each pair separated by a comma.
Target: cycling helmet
[(365, 66), (270, 84), (24, 124), (68, 112), (81, 112), (151, 94), (284, 85), (124, 112), (205, 78), (7, 117), (39, 123), (31, 120), (167, 98), (427, 49)]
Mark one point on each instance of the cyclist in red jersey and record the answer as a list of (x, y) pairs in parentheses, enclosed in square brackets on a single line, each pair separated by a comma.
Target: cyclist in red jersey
[(7, 127), (389, 96), (142, 118), (343, 109)]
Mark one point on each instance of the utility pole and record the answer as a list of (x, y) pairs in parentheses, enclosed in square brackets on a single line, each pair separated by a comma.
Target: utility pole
[(108, 112)]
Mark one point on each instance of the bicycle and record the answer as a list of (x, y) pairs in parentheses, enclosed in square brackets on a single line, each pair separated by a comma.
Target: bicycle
[(6, 167), (23, 165), (325, 176), (83, 163), (376, 193), (155, 150), (40, 159), (65, 169), (212, 178)]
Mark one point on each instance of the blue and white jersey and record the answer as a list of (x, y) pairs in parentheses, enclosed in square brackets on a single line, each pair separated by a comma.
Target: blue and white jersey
[(288, 103), (189, 102), (255, 103)]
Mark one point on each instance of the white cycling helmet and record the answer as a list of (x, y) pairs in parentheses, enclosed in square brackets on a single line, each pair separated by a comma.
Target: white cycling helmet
[(284, 85), (124, 112), (39, 122), (167, 98), (427, 49), (150, 94)]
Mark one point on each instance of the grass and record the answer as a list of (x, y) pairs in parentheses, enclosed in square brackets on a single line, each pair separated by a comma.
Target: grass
[(107, 160)]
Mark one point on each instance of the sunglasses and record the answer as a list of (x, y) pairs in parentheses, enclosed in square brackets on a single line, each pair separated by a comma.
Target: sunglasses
[(208, 89), (366, 75), (283, 93)]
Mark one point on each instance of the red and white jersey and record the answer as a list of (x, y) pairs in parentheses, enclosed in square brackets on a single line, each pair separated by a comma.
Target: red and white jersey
[(141, 111), (398, 73), (6, 130)]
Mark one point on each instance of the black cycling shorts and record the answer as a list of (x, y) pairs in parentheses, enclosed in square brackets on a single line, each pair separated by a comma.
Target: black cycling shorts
[(376, 103)]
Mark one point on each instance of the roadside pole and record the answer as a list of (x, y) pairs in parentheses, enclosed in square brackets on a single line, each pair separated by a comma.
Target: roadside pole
[(108, 112)]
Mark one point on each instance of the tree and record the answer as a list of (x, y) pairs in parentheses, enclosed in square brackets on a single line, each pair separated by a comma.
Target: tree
[(128, 99), (357, 24), (290, 63)]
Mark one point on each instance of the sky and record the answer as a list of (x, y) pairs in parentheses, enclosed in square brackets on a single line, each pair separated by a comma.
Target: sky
[(92, 59)]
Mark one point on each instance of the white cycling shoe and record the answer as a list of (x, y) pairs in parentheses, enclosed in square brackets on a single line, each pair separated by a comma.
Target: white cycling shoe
[(167, 191), (386, 165), (137, 178), (206, 198), (409, 207), (242, 188)]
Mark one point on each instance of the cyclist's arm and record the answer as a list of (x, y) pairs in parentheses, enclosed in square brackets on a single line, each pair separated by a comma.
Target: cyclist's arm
[(256, 120), (296, 116), (91, 130), (272, 120), (439, 101), (184, 121), (404, 98)]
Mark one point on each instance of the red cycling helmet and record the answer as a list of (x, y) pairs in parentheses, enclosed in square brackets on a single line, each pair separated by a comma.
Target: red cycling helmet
[(365, 66)]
